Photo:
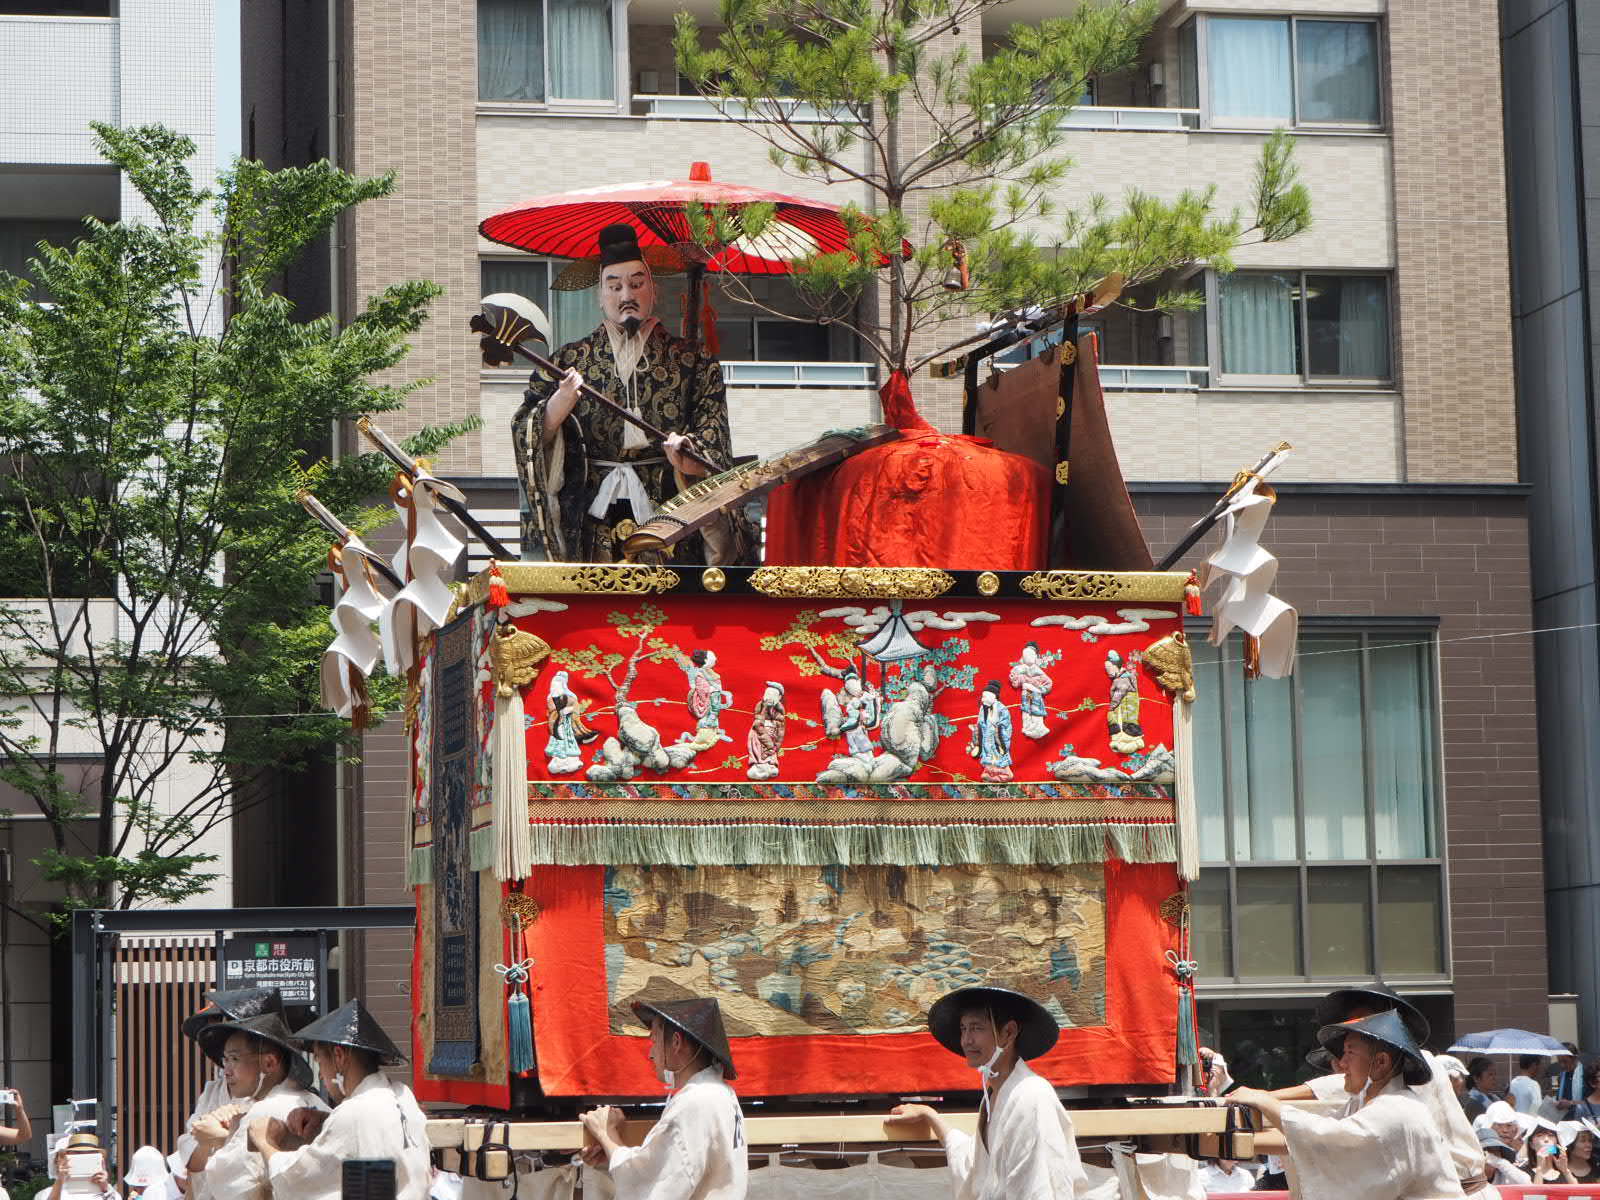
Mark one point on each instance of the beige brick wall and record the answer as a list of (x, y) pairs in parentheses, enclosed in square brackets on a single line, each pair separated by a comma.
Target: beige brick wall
[(1210, 435), (1451, 243), (1349, 177), (409, 92)]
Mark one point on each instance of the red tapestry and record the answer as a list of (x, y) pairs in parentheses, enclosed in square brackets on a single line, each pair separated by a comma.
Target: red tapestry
[(581, 1050), (968, 696)]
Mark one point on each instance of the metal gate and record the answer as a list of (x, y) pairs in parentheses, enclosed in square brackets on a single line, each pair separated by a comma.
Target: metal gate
[(159, 982)]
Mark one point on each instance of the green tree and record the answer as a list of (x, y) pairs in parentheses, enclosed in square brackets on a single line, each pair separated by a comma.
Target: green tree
[(156, 420), (956, 150)]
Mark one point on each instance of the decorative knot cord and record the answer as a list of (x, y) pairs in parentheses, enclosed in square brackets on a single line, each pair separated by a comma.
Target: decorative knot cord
[(517, 973)]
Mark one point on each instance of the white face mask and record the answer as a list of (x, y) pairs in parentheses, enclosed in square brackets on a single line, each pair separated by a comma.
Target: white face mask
[(338, 1082), (667, 1076)]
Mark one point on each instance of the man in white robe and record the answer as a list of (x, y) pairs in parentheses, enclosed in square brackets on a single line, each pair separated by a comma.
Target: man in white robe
[(233, 1005), (260, 1065), (1437, 1094), (1025, 1148), (696, 1150), (1385, 1146), (374, 1116)]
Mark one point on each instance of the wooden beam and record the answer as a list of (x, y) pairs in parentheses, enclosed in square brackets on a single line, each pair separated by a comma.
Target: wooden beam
[(829, 1129)]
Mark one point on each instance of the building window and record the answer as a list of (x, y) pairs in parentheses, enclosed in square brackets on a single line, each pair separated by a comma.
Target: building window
[(514, 42), (1318, 799), (572, 314), (1270, 71), (19, 242), (1317, 327)]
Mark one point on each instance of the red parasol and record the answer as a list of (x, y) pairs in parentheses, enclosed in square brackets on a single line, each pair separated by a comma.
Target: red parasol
[(568, 225)]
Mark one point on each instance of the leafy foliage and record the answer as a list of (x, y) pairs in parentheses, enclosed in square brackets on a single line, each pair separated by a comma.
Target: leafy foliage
[(959, 155), (155, 425)]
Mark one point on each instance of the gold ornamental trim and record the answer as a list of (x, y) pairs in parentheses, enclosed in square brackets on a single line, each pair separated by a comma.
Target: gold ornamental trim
[(988, 583), (1153, 586), (713, 579), (1063, 472), (846, 583), (544, 579)]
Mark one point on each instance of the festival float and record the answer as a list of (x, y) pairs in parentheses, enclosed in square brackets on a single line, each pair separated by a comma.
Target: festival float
[(939, 734)]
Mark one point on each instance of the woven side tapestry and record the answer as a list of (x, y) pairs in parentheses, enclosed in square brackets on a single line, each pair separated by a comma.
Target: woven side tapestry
[(825, 975), (868, 732), (452, 790)]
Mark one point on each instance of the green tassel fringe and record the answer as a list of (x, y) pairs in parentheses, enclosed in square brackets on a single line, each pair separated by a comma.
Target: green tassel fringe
[(848, 845), (419, 866)]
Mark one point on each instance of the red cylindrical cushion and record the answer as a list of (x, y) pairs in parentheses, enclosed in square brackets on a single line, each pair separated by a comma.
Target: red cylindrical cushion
[(934, 500)]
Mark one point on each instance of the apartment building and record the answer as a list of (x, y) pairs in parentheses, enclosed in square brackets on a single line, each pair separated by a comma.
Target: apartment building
[(1375, 817), (64, 63), (1552, 60)]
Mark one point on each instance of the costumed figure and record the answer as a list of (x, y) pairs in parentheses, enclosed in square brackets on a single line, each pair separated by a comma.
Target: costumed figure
[(854, 710), (564, 717), (1453, 1129), (1028, 677), (236, 1004), (1026, 1148), (585, 471), (697, 1147), (373, 1117), (765, 742), (910, 736), (707, 698), (991, 736), (1122, 717), (268, 1079), (1385, 1144)]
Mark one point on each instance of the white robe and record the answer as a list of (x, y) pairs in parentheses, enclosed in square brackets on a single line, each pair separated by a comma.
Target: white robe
[(696, 1151), (1032, 1152), (1439, 1098), (235, 1171), (1387, 1149), (212, 1097), (379, 1119)]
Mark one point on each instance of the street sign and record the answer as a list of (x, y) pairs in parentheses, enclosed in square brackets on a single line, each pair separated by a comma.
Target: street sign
[(290, 962)]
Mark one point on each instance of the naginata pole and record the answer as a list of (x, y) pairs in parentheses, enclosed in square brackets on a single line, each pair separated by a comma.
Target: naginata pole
[(344, 533), (1203, 526), (392, 451)]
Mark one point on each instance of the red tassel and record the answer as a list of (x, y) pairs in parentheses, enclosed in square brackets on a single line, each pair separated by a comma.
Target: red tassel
[(1191, 595), (498, 596)]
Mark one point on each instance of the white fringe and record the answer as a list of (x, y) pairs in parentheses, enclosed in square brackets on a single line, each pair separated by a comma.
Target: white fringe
[(513, 838)]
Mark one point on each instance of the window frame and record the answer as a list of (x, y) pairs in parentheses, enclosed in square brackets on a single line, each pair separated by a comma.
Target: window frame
[(1303, 379), (1210, 120), (621, 79), (1365, 629)]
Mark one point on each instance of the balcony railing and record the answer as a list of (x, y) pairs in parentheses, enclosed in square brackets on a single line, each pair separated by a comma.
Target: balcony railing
[(1166, 120), (800, 374), (1114, 378), (698, 108)]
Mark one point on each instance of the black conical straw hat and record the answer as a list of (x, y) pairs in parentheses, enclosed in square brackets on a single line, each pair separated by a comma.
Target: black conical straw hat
[(351, 1025), (1037, 1030), (1388, 1028), (1336, 1006), (236, 1004), (269, 1027), (700, 1020)]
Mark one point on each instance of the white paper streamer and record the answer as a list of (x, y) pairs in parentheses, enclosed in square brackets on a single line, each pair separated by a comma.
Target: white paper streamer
[(1237, 580), (355, 647), (429, 561)]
